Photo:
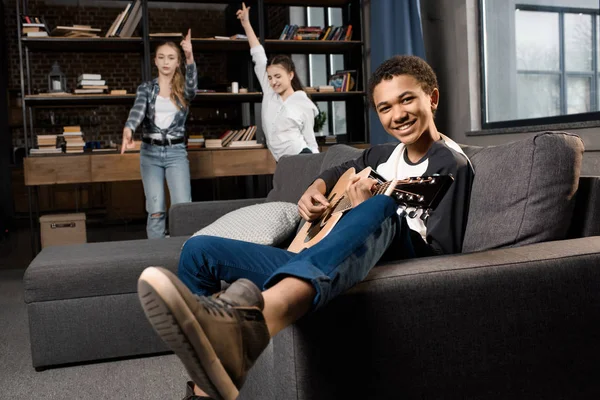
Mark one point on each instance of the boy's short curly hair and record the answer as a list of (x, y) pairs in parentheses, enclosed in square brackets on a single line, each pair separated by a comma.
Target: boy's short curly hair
[(404, 65)]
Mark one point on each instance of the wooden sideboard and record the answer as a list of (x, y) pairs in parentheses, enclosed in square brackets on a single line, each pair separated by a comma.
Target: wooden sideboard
[(89, 168)]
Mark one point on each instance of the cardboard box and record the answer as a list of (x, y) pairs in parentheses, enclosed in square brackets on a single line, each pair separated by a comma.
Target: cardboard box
[(59, 229)]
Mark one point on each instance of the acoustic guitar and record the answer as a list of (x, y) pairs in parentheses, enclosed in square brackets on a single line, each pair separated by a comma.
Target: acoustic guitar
[(416, 194)]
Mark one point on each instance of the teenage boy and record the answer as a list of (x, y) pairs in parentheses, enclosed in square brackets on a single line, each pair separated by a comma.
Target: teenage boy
[(218, 338)]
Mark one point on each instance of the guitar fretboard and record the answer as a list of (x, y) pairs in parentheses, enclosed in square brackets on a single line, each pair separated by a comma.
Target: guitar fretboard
[(344, 204)]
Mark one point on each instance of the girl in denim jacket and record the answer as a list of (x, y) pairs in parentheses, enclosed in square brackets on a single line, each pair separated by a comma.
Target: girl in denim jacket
[(161, 107)]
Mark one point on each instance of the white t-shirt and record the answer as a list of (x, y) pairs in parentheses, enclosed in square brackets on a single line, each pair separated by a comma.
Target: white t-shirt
[(288, 125), (164, 114)]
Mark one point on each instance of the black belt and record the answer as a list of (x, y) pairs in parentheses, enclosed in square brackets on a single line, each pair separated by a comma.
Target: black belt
[(166, 142)]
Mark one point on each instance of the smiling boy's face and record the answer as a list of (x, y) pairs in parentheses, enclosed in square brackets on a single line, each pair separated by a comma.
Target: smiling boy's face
[(404, 109)]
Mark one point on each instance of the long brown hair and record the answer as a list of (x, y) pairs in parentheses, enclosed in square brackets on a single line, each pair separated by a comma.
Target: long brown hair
[(289, 66), (178, 81)]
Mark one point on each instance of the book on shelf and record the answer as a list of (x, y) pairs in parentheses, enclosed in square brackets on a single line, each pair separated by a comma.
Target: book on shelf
[(32, 24), (27, 29), (343, 80), (72, 129), (166, 34), (93, 77), (132, 20), (118, 92), (246, 143), (91, 82), (75, 31), (127, 21), (46, 141), (333, 33), (237, 36), (37, 34), (103, 87), (213, 143), (119, 21), (195, 141), (326, 88), (54, 150), (88, 91)]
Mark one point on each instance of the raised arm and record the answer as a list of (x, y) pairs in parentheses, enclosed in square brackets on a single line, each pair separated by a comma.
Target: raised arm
[(191, 74), (244, 16), (259, 57)]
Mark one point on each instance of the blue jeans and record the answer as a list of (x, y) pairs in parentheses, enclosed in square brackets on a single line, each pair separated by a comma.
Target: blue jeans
[(156, 164), (333, 265)]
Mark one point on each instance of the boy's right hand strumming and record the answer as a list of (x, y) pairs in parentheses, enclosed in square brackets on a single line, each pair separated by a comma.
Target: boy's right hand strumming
[(243, 15), (313, 202), (127, 143)]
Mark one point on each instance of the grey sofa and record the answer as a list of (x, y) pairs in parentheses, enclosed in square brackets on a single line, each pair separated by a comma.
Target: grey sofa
[(512, 317)]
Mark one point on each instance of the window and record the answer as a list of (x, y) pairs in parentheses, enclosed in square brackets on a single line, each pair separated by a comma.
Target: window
[(540, 61)]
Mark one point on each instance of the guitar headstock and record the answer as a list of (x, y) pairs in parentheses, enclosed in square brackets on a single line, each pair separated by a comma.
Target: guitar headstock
[(422, 192)]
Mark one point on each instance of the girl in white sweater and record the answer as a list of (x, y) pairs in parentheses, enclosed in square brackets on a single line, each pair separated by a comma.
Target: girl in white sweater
[(287, 112)]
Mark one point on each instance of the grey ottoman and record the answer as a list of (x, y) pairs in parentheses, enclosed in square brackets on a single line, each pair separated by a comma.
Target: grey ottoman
[(82, 300)]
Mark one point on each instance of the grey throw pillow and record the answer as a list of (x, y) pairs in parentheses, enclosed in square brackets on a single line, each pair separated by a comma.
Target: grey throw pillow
[(266, 223), (523, 192)]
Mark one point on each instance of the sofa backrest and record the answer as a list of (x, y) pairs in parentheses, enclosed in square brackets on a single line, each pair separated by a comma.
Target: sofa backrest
[(295, 173), (339, 154), (524, 191)]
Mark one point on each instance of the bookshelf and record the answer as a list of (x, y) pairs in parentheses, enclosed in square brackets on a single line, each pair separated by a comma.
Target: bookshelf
[(353, 50)]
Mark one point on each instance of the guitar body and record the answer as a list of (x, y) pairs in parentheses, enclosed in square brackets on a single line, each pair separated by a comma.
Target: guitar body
[(421, 193), (313, 232)]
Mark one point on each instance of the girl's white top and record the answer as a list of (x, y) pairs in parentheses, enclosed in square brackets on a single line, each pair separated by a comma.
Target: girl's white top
[(288, 125), (164, 115)]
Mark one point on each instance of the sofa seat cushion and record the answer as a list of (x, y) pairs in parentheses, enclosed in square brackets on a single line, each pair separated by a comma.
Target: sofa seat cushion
[(523, 192), (96, 269), (267, 223)]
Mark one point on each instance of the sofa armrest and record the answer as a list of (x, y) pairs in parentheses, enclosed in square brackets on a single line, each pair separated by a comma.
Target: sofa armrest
[(187, 218), (507, 323)]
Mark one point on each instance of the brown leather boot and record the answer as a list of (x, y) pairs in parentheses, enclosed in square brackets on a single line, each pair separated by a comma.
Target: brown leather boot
[(217, 338)]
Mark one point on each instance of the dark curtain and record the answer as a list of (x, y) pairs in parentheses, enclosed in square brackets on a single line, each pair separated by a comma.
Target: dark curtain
[(395, 29)]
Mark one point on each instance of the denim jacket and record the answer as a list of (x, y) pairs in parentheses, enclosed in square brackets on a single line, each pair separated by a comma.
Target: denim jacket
[(143, 108)]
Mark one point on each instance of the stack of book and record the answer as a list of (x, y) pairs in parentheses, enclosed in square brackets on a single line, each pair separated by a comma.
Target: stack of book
[(336, 33), (75, 31), (33, 26), (330, 139), (90, 84), (46, 145), (195, 142), (126, 22), (343, 81), (73, 139), (237, 36), (235, 138)]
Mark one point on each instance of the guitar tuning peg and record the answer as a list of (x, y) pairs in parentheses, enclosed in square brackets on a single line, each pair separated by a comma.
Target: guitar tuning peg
[(425, 215), (412, 214)]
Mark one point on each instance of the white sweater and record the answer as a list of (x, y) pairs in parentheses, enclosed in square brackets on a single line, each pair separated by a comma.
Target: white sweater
[(288, 125)]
